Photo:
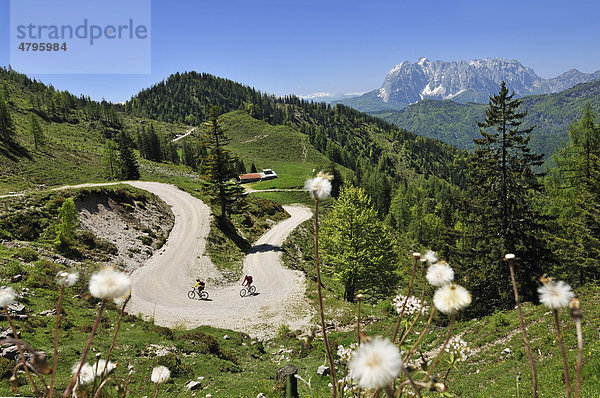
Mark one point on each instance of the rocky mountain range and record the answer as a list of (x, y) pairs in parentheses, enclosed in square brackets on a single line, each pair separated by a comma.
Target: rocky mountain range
[(462, 82)]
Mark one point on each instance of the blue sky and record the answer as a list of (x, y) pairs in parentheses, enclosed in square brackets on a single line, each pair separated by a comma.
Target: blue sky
[(304, 47)]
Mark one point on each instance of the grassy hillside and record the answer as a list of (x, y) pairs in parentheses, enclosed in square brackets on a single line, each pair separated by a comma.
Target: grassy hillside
[(73, 149), (281, 148), (456, 124)]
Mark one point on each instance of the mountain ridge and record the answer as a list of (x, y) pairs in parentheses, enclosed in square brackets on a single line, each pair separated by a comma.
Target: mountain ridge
[(461, 81)]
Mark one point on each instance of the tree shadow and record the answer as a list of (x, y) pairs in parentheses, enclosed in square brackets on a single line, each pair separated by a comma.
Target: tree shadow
[(230, 232), (14, 151), (265, 247)]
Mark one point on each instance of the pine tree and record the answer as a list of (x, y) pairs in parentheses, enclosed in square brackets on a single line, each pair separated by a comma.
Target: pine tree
[(357, 249), (219, 168), (7, 129), (36, 132), (110, 159), (500, 212), (128, 164), (253, 168)]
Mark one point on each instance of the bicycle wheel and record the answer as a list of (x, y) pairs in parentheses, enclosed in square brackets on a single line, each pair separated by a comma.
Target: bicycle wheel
[(192, 294), (252, 289), (204, 295), (243, 292)]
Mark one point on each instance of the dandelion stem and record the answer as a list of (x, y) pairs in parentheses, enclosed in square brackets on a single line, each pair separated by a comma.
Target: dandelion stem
[(321, 310), (523, 329), (102, 384), (87, 348), (20, 348), (414, 322), (114, 340), (439, 355), (358, 320), (156, 390), (411, 381), (55, 359), (579, 357), (410, 285), (563, 354), (423, 333)]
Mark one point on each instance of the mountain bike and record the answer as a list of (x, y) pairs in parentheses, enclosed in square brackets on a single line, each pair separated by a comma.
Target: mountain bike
[(202, 294), (247, 291)]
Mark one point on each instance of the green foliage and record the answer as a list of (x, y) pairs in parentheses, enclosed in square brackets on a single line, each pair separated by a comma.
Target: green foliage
[(67, 222), (456, 124), (6, 123), (128, 165), (574, 188), (110, 159), (219, 169), (501, 217), (357, 248), (36, 132)]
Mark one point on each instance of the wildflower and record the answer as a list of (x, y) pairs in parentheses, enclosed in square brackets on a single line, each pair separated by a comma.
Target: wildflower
[(451, 298), (413, 305), (101, 364), (345, 354), (7, 296), (86, 375), (458, 348), (555, 295), (109, 284), (375, 364), (160, 374), (319, 186), (440, 274), (431, 257), (67, 279)]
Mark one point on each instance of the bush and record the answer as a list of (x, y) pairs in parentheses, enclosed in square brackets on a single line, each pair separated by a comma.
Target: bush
[(6, 368), (203, 343), (175, 365)]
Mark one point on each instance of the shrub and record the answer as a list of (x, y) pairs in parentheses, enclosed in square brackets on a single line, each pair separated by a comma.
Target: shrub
[(175, 365)]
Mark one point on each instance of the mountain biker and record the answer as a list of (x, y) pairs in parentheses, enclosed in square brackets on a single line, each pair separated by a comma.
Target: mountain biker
[(199, 284), (247, 281)]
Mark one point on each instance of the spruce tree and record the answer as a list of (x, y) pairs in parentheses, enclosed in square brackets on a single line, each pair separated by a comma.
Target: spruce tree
[(7, 129), (500, 215), (129, 168), (219, 168), (67, 222), (36, 132)]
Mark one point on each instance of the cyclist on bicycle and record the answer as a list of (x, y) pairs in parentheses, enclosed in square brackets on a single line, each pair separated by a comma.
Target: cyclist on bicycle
[(247, 281), (199, 284)]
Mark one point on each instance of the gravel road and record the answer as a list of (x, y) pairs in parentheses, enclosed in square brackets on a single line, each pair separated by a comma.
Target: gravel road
[(159, 288)]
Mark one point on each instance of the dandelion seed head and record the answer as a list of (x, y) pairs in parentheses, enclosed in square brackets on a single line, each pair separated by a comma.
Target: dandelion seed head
[(451, 298), (99, 367), (431, 257), (319, 187), (555, 294), (375, 364), (119, 301), (109, 284), (440, 274), (86, 375), (7, 296), (67, 279), (160, 374)]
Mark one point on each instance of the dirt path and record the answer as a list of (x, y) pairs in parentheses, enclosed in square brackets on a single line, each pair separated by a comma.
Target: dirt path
[(190, 131), (160, 287)]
